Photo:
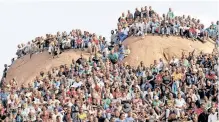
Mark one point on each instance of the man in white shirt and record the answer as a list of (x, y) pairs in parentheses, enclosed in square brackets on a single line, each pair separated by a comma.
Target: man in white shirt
[(140, 32), (160, 65), (139, 24), (56, 113), (174, 61), (180, 104), (145, 27), (77, 83), (134, 28), (213, 115), (125, 30), (183, 29)]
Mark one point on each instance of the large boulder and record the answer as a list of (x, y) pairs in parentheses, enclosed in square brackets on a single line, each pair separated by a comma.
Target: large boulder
[(155, 47), (24, 70)]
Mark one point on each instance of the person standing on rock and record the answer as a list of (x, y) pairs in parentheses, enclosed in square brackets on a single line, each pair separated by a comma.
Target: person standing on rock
[(33, 49), (170, 14), (56, 51)]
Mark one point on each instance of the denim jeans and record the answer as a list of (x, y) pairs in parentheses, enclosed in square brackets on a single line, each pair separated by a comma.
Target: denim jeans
[(175, 30), (165, 30), (153, 30), (121, 57), (122, 37), (192, 35), (73, 43)]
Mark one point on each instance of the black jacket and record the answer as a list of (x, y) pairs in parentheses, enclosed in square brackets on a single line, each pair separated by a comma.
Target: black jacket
[(203, 117)]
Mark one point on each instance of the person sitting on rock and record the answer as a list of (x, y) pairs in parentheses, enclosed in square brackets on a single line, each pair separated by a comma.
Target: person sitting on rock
[(202, 34), (192, 32), (127, 51), (183, 30)]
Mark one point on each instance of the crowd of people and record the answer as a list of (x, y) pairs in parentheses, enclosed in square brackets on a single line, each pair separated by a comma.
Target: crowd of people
[(102, 88), (146, 21), (55, 44)]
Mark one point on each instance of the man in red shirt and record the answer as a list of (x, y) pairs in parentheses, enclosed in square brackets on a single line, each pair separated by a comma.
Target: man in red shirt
[(192, 32), (79, 42)]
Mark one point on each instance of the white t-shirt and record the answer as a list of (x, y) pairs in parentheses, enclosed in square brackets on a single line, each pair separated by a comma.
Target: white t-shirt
[(160, 65), (145, 26), (198, 31), (175, 61), (212, 117), (194, 97), (77, 84), (125, 31), (55, 115), (139, 24), (180, 102)]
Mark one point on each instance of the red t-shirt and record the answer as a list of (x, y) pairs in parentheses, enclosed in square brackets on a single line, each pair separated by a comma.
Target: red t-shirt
[(79, 41), (211, 77), (192, 30), (96, 41), (159, 77), (71, 93), (198, 111)]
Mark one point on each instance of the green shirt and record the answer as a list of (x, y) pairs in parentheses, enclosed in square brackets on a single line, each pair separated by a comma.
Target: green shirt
[(186, 63), (107, 101), (156, 103), (170, 15), (113, 57)]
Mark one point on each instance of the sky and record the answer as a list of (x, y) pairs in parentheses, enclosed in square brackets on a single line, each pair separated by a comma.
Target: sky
[(22, 21)]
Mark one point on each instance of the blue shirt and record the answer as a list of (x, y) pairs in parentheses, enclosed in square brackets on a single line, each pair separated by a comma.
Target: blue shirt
[(19, 118), (4, 96), (129, 119)]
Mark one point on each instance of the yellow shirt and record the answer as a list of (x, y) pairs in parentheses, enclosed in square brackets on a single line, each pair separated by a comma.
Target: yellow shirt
[(177, 76), (170, 103), (82, 116)]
